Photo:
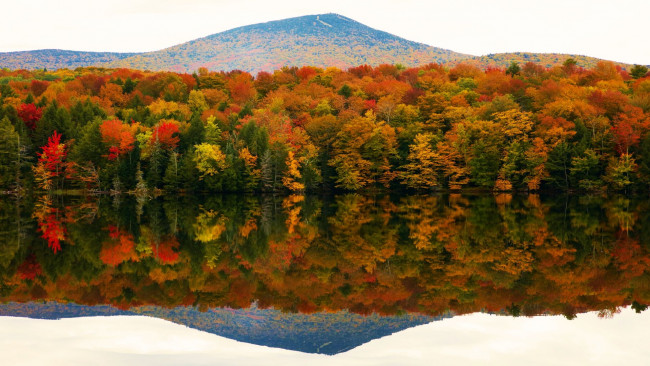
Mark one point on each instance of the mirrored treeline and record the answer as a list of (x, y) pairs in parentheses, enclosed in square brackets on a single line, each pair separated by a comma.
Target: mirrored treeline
[(431, 255)]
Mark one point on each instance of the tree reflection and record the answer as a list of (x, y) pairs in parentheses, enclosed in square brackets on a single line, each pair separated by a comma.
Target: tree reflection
[(518, 255)]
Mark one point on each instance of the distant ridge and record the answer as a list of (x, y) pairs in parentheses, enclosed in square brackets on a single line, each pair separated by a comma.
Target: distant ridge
[(53, 59), (543, 59)]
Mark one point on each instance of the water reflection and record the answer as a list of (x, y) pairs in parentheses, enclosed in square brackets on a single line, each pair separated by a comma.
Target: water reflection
[(431, 255)]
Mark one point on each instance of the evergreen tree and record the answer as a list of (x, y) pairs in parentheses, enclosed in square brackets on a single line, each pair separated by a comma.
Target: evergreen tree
[(9, 154), (157, 163), (195, 133), (171, 179), (638, 71), (128, 86), (513, 69), (89, 147)]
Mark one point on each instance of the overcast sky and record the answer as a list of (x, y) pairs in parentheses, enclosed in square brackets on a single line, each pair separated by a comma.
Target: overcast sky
[(615, 30)]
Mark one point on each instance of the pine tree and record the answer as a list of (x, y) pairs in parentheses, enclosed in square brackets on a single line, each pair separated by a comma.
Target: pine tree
[(9, 154), (171, 179), (266, 172), (141, 189)]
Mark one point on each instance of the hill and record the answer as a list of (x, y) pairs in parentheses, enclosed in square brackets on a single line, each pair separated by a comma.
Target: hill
[(318, 40), (57, 59), (327, 333), (543, 59)]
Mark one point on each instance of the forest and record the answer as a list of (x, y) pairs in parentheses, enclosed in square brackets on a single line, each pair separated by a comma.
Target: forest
[(308, 129)]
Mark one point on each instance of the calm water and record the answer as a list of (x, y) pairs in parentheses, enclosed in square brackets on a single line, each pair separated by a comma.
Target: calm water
[(324, 274)]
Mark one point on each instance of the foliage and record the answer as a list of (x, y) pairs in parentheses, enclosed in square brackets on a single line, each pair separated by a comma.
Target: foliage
[(526, 128)]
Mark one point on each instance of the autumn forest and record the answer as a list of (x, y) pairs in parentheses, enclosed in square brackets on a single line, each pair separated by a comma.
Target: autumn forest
[(384, 128)]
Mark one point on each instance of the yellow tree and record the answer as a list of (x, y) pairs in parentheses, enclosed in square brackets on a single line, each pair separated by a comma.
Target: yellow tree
[(292, 177), (209, 159), (362, 152), (423, 162)]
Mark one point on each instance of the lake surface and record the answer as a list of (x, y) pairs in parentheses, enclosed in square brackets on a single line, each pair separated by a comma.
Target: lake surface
[(327, 275)]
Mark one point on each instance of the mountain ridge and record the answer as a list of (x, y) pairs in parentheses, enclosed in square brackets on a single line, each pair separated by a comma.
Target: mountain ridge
[(320, 40)]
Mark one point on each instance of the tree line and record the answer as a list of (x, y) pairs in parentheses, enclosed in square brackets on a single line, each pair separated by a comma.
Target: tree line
[(524, 128)]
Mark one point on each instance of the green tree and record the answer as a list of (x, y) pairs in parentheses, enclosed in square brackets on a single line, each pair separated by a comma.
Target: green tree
[(9, 154), (585, 170), (638, 71), (620, 172), (171, 178), (484, 165), (513, 69)]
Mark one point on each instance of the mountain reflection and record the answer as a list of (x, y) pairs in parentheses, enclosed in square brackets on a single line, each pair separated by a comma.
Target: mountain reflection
[(430, 255)]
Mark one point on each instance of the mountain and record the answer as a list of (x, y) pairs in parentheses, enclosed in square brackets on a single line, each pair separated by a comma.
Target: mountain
[(316, 40), (320, 40), (57, 59), (326, 333)]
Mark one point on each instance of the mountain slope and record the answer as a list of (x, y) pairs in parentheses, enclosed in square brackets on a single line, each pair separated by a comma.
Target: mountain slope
[(317, 40), (57, 59)]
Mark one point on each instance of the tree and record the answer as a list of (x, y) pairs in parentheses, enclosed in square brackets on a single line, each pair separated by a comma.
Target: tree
[(362, 153), (421, 171), (513, 69), (118, 137), (585, 170), (197, 101), (51, 162), (485, 162), (9, 154), (569, 66), (293, 177), (620, 172), (171, 178), (165, 134), (241, 88), (30, 114), (209, 159), (638, 71)]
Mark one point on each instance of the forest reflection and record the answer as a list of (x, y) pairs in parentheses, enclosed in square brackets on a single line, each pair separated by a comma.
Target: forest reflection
[(433, 255)]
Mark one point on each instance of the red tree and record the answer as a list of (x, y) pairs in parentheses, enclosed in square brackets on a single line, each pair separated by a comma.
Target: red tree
[(166, 134), (53, 155), (118, 137), (30, 114), (38, 87)]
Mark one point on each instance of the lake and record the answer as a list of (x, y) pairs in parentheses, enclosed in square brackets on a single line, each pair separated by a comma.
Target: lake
[(347, 279)]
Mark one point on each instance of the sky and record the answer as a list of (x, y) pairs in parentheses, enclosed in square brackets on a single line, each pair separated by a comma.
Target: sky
[(613, 30), (476, 339)]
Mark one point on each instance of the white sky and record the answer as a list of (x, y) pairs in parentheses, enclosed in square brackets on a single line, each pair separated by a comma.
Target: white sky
[(615, 30), (477, 339)]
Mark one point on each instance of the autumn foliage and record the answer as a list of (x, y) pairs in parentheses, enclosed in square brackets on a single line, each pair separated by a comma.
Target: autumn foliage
[(118, 137), (165, 134), (30, 114), (529, 128)]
